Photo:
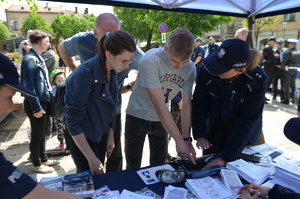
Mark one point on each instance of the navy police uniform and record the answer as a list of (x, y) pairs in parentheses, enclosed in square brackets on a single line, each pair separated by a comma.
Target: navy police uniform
[(278, 73), (269, 63), (290, 63), (13, 182)]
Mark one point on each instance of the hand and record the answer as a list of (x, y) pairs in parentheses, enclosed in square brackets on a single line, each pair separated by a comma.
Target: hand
[(253, 188), (110, 142), (39, 114), (96, 166), (185, 152), (218, 161), (203, 143), (298, 113), (180, 105)]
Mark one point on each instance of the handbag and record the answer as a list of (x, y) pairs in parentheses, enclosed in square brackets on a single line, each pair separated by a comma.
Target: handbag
[(51, 105)]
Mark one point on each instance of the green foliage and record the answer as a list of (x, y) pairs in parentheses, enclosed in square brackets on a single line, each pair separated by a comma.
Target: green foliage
[(143, 24), (4, 32), (33, 22), (67, 25)]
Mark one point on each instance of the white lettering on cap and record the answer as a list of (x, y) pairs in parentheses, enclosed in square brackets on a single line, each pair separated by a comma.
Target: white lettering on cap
[(221, 53), (237, 65)]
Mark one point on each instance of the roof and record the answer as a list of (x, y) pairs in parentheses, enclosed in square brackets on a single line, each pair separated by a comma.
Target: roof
[(41, 9)]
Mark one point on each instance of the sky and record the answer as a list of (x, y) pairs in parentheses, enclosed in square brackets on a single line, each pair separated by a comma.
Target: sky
[(95, 9)]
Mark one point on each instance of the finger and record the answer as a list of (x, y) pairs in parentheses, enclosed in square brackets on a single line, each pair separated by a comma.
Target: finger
[(256, 195), (192, 158)]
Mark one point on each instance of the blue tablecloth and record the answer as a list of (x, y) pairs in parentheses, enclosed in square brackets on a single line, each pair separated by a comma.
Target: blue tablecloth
[(130, 180)]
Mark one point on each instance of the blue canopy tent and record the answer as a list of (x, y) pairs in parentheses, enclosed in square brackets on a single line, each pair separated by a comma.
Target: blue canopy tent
[(250, 9)]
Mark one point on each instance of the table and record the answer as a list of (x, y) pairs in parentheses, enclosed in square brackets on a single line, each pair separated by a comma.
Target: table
[(130, 180)]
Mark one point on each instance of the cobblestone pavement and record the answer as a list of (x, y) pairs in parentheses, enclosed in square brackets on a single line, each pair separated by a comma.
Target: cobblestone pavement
[(14, 140)]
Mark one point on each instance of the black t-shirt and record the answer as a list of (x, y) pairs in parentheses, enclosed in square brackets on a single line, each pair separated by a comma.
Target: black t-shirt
[(13, 182)]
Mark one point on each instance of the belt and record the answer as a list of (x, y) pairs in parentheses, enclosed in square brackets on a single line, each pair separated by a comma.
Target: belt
[(293, 67)]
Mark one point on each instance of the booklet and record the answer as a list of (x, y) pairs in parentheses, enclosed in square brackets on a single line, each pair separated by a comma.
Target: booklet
[(231, 181), (250, 172), (207, 188), (148, 175)]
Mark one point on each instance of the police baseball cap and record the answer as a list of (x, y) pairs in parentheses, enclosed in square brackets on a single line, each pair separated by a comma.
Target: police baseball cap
[(211, 37), (198, 39), (10, 77), (291, 130), (272, 39), (233, 53)]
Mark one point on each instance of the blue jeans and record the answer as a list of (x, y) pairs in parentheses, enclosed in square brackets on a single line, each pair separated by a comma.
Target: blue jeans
[(135, 132)]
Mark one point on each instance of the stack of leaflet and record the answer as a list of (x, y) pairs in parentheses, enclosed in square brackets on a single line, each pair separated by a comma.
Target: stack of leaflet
[(207, 188), (249, 172), (287, 172)]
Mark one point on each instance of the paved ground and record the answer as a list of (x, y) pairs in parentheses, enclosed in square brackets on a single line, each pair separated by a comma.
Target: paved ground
[(14, 141)]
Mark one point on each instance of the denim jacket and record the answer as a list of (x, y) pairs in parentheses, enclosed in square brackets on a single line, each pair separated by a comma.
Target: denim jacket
[(90, 105), (33, 77)]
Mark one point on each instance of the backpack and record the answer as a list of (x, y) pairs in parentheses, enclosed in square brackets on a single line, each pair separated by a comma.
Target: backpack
[(59, 99)]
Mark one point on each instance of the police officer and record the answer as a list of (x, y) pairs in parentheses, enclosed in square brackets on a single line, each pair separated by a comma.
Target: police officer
[(269, 58), (212, 47), (198, 54), (290, 63), (278, 72)]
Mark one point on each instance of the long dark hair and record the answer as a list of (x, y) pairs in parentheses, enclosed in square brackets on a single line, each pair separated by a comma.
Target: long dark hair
[(116, 43)]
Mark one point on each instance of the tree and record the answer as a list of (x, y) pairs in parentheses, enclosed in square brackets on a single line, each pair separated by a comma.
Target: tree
[(142, 24), (33, 22), (67, 25), (265, 24), (4, 32)]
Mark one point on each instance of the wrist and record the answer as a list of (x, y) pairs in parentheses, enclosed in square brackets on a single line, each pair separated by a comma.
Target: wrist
[(189, 139), (129, 86)]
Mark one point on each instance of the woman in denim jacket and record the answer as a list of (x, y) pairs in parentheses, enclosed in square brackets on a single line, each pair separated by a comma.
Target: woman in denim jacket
[(33, 76), (91, 97)]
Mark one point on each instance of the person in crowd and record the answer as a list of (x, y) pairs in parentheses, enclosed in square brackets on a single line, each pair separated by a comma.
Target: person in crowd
[(61, 63), (25, 45), (269, 58), (162, 74), (13, 182), (253, 191), (50, 59), (198, 54), (278, 72), (58, 77), (91, 98), (212, 47), (228, 101), (34, 76), (84, 45), (290, 63), (242, 34)]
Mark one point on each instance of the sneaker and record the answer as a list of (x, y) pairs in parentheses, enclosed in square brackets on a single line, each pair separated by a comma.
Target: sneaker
[(42, 169), (51, 163), (61, 146)]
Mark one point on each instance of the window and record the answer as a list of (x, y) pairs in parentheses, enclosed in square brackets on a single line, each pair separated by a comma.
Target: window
[(290, 17), (218, 28), (16, 27), (7, 47)]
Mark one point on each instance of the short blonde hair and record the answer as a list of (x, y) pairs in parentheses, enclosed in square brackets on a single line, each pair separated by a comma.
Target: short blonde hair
[(181, 43)]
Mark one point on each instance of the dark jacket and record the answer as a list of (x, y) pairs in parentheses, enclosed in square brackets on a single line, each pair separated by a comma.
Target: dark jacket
[(212, 48), (248, 107), (280, 192), (90, 106), (268, 54), (32, 77), (291, 58)]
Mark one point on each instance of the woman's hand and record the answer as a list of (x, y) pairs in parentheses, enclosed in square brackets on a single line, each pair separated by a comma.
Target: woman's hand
[(110, 142), (203, 143), (39, 114), (96, 166), (218, 161), (253, 188)]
